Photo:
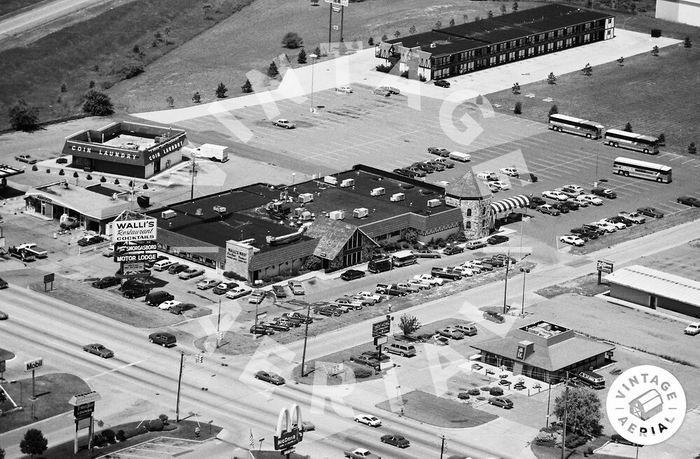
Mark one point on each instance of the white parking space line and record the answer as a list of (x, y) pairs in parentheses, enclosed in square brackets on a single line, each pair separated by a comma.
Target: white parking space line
[(688, 161)]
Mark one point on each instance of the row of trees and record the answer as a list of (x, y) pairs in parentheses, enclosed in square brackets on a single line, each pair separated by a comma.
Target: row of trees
[(24, 117)]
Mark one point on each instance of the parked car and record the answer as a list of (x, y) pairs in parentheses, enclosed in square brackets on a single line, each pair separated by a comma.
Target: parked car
[(617, 219), (109, 281), (692, 329), (509, 171), (421, 285), (594, 228), (497, 239), (689, 201), (442, 83), (429, 279), (393, 439), (296, 287), (548, 209), (284, 123), (279, 291), (360, 453), (381, 91), (571, 190), (500, 184), (536, 201), (261, 329), (493, 187), (370, 296), (272, 378), (352, 274), (368, 420), (450, 333), (90, 239), (191, 273), (590, 199), (504, 403), (489, 176), (98, 349), (617, 438), (556, 195), (650, 212), (164, 339), (26, 159), (277, 326), (442, 152), (177, 268), (224, 287), (604, 192), (572, 239), (452, 249), (418, 172), (584, 233), (635, 217), (327, 311), (205, 284), (445, 273), (181, 307), (607, 226), (473, 245), (344, 89), (166, 305), (494, 317), (157, 297), (561, 207), (408, 287), (134, 291), (425, 253), (238, 292), (445, 162)]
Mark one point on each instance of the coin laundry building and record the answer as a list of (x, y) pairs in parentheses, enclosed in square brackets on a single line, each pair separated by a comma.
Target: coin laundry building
[(125, 148)]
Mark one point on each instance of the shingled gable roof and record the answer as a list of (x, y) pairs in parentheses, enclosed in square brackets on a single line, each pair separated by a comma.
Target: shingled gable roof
[(332, 236), (468, 186)]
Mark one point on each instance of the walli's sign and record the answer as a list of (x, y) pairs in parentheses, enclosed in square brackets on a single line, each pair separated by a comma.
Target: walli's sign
[(134, 230)]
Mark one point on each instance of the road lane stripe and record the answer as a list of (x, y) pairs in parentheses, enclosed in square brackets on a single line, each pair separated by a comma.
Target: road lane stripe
[(113, 370)]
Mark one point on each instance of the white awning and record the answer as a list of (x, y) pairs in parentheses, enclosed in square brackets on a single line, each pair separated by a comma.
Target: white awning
[(506, 205)]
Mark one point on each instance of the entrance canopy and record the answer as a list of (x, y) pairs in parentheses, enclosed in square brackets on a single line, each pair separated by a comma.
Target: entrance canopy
[(509, 204)]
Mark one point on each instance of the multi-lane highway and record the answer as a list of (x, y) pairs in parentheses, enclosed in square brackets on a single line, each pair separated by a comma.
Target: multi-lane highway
[(42, 14)]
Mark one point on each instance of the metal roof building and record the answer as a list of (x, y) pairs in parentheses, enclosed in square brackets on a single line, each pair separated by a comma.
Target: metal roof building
[(656, 289)]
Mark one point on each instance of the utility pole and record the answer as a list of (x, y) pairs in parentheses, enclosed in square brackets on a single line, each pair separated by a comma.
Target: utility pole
[(525, 271), (218, 324), (306, 336), (549, 397), (505, 288), (442, 447), (179, 382), (563, 430), (192, 181)]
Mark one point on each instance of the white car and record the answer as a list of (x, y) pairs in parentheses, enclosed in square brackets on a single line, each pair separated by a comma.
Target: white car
[(165, 305), (493, 187), (369, 420), (284, 123), (421, 284), (487, 175), (575, 188), (476, 269), (618, 225), (344, 89), (692, 329), (501, 184), (573, 240), (370, 296), (576, 201), (509, 171), (464, 271), (238, 292), (557, 195), (633, 216), (608, 227), (430, 279), (205, 284), (589, 198)]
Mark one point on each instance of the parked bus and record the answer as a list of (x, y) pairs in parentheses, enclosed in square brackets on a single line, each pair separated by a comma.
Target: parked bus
[(380, 265), (592, 379), (565, 123), (642, 169), (404, 258), (638, 142)]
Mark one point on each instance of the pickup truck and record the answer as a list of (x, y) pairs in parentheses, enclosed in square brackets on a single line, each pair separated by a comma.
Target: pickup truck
[(410, 288), (34, 250), (445, 274), (296, 287), (389, 290), (279, 292), (370, 296), (22, 254), (361, 453)]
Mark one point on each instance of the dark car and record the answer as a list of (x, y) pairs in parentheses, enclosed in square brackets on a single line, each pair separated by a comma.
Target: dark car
[(134, 292), (272, 378), (224, 287), (416, 170), (3, 284), (536, 201), (442, 83), (156, 298), (277, 326), (562, 207), (689, 201), (98, 349), (404, 172), (180, 308), (424, 167), (502, 402), (299, 316), (279, 291), (584, 233), (572, 204), (105, 282), (604, 192), (593, 228), (261, 330), (164, 339), (452, 249), (425, 253), (393, 439), (494, 317), (620, 219), (497, 239), (90, 240), (177, 268), (650, 212), (327, 311), (352, 274)]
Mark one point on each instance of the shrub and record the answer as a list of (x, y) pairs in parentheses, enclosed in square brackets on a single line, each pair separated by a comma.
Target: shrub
[(474, 392), (23, 117), (479, 99), (370, 42), (130, 71), (109, 436), (545, 438), (232, 275), (481, 398), (405, 245), (164, 418), (292, 40), (155, 425), (221, 90), (574, 440), (463, 396), (383, 68), (121, 435), (518, 108), (361, 373), (441, 244), (97, 104), (313, 263), (554, 110), (99, 440), (422, 78), (496, 391)]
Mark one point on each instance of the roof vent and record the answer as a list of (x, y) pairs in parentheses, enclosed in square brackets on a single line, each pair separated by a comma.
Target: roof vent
[(199, 212), (220, 209), (433, 45)]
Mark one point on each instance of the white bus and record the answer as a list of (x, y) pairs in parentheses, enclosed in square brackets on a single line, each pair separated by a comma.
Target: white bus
[(404, 258), (565, 123), (630, 140), (642, 169)]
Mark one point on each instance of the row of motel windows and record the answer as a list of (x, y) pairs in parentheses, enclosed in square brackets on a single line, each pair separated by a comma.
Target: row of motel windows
[(506, 57), (493, 49)]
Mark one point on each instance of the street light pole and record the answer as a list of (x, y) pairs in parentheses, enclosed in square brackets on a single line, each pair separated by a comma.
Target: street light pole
[(313, 60), (525, 271), (563, 431), (179, 382), (306, 336), (505, 287), (218, 324)]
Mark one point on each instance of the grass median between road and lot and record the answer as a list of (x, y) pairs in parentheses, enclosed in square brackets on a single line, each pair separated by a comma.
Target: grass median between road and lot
[(53, 392), (15, 6)]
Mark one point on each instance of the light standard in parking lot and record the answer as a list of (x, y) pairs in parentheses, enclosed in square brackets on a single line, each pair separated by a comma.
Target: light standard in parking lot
[(313, 60), (525, 271)]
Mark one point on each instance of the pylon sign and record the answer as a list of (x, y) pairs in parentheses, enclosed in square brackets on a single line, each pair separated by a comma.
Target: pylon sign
[(287, 433)]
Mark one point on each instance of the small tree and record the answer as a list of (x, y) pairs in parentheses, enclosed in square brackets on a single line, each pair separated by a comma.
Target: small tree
[(317, 51), (64, 88), (438, 24), (518, 108), (33, 442), (247, 87), (452, 22), (621, 61), (272, 71), (23, 117), (516, 88), (515, 7), (687, 43), (582, 410), (170, 101), (465, 18), (385, 37), (397, 34), (628, 127), (490, 14), (587, 70), (301, 57), (412, 29), (655, 51), (554, 110), (692, 149), (370, 42), (408, 324), (97, 104), (551, 79), (662, 139), (221, 90), (196, 98), (292, 40), (503, 8), (2, 453), (91, 84), (136, 49)]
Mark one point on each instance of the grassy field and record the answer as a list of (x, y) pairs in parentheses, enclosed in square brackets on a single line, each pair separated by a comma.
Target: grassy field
[(10, 6)]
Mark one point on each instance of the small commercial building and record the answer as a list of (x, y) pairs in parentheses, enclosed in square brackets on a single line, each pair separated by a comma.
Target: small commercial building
[(477, 45), (683, 11), (126, 149), (545, 351), (655, 289)]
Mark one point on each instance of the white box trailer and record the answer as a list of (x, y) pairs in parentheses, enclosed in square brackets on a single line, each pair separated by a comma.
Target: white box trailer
[(379, 191), (214, 152), (458, 156), (306, 197), (348, 182), (337, 215), (396, 197)]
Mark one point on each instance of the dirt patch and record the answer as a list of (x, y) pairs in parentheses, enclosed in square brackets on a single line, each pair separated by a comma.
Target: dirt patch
[(586, 286)]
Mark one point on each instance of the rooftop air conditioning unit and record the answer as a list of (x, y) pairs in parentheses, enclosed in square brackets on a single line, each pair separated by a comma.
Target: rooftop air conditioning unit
[(347, 183), (396, 197), (199, 212), (330, 179), (434, 202), (337, 215), (378, 191), (306, 197), (360, 212), (220, 209), (166, 214)]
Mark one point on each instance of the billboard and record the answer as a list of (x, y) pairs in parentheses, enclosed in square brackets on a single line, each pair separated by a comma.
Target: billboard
[(134, 230)]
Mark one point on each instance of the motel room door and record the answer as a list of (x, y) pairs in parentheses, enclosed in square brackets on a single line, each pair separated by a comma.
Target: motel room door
[(156, 166)]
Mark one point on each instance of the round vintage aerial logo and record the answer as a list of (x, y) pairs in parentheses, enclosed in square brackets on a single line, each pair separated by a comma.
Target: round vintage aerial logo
[(646, 405)]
